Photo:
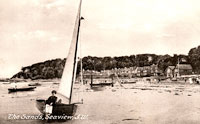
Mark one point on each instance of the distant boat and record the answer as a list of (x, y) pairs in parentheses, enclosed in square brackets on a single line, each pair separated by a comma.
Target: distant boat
[(34, 84), (68, 77), (128, 82), (56, 83), (20, 89), (101, 84)]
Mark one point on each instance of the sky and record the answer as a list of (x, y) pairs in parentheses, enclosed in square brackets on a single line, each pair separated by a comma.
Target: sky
[(33, 31)]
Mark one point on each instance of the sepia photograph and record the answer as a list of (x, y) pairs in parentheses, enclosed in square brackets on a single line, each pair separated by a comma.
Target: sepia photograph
[(99, 62)]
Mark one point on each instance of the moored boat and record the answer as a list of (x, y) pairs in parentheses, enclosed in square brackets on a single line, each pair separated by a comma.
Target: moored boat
[(34, 84), (101, 84), (58, 109), (20, 89)]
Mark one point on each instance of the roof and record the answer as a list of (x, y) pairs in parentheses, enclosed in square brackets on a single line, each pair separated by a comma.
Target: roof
[(184, 66)]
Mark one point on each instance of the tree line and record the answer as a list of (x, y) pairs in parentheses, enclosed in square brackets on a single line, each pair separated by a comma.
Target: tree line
[(54, 68)]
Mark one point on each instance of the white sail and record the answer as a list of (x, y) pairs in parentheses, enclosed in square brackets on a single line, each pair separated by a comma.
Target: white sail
[(69, 73)]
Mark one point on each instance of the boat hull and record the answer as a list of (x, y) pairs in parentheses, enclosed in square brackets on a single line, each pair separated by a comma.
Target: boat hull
[(20, 89), (58, 109), (34, 84), (101, 84), (132, 82)]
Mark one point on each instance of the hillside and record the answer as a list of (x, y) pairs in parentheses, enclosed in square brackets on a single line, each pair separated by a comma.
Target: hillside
[(54, 68)]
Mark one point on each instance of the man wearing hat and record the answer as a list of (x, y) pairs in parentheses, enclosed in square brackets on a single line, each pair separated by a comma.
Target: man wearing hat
[(50, 102)]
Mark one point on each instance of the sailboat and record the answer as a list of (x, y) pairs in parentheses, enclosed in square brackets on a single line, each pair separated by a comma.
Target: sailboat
[(29, 88), (68, 77), (16, 88)]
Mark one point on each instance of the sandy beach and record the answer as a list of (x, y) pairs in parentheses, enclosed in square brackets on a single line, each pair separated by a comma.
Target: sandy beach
[(139, 103)]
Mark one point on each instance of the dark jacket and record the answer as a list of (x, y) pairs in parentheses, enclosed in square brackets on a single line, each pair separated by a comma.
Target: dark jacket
[(51, 99)]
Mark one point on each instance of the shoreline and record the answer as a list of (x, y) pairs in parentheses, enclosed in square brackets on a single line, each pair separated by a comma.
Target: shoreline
[(141, 102)]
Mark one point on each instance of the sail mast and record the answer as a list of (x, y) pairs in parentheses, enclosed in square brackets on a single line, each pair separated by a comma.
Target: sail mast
[(75, 56), (81, 71), (69, 72)]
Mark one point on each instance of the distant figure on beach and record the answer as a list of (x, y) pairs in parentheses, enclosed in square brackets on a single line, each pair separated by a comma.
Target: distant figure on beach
[(185, 79), (198, 80), (191, 80), (50, 102)]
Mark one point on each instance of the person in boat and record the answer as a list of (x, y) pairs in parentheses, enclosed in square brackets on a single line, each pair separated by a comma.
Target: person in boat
[(50, 102)]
